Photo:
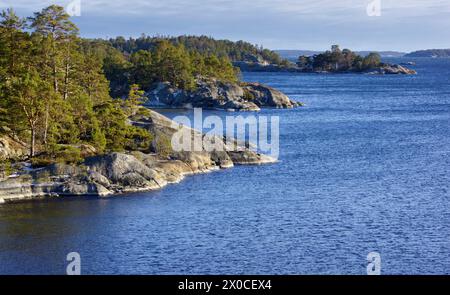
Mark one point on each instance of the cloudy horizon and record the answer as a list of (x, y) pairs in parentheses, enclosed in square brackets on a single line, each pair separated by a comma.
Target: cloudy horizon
[(276, 24)]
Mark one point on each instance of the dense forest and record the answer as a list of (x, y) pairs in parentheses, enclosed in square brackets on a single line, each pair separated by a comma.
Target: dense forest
[(163, 61), (337, 60), (235, 51), (57, 89)]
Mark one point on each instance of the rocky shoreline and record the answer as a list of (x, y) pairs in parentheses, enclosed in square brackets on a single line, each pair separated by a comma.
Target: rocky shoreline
[(218, 95), (118, 173), (385, 69), (388, 69)]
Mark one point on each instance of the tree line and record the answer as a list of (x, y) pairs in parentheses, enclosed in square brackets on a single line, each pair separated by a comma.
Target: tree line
[(163, 62), (59, 91), (337, 60), (235, 51), (54, 95)]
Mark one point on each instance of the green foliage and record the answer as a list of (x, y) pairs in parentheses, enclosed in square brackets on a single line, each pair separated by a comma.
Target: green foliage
[(61, 154), (138, 139), (130, 105), (53, 91), (338, 60), (6, 168), (142, 70), (163, 61), (213, 66), (371, 61), (172, 64), (234, 51), (248, 95), (119, 135), (163, 145), (42, 161), (53, 21), (56, 88)]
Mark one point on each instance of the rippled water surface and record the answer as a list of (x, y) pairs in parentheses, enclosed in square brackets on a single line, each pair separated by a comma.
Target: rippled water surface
[(365, 166)]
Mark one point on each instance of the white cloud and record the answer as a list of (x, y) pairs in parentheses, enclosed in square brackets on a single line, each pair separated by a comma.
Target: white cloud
[(304, 8), (277, 23)]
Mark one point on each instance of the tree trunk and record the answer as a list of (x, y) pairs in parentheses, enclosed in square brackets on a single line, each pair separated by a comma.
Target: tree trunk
[(54, 63), (66, 82), (33, 140), (47, 114), (55, 78), (12, 65)]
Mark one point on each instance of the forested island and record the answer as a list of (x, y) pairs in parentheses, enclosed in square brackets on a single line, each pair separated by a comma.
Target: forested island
[(345, 61), (72, 120), (234, 51), (294, 54), (244, 55)]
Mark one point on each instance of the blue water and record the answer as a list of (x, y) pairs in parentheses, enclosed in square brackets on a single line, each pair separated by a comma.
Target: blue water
[(365, 166)]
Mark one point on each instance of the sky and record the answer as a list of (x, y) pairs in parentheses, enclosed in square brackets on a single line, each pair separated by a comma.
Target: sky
[(401, 25)]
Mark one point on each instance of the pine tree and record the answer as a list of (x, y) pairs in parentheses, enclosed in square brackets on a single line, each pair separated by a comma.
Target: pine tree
[(53, 24), (14, 41), (14, 55), (28, 92), (53, 28)]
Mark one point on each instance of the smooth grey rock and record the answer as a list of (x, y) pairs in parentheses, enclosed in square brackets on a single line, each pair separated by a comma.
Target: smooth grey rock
[(99, 178), (122, 169), (81, 189), (265, 96), (396, 69), (250, 158), (214, 94), (126, 172)]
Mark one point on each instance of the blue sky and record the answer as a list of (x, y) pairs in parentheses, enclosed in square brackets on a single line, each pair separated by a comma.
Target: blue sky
[(403, 25)]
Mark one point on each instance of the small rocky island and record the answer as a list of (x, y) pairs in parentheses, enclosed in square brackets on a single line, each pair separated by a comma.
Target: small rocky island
[(219, 95), (331, 61)]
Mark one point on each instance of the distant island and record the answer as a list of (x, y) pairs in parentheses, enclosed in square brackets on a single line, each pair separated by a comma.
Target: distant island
[(294, 54), (430, 53), (239, 51), (347, 61), (187, 72), (249, 58)]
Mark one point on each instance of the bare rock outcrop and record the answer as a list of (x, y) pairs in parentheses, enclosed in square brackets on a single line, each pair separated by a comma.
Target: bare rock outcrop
[(117, 173), (214, 94), (396, 70)]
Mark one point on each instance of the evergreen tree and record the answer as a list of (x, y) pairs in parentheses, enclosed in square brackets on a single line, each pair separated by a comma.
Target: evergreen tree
[(338, 61), (53, 25), (13, 41), (55, 88), (58, 34), (28, 92)]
